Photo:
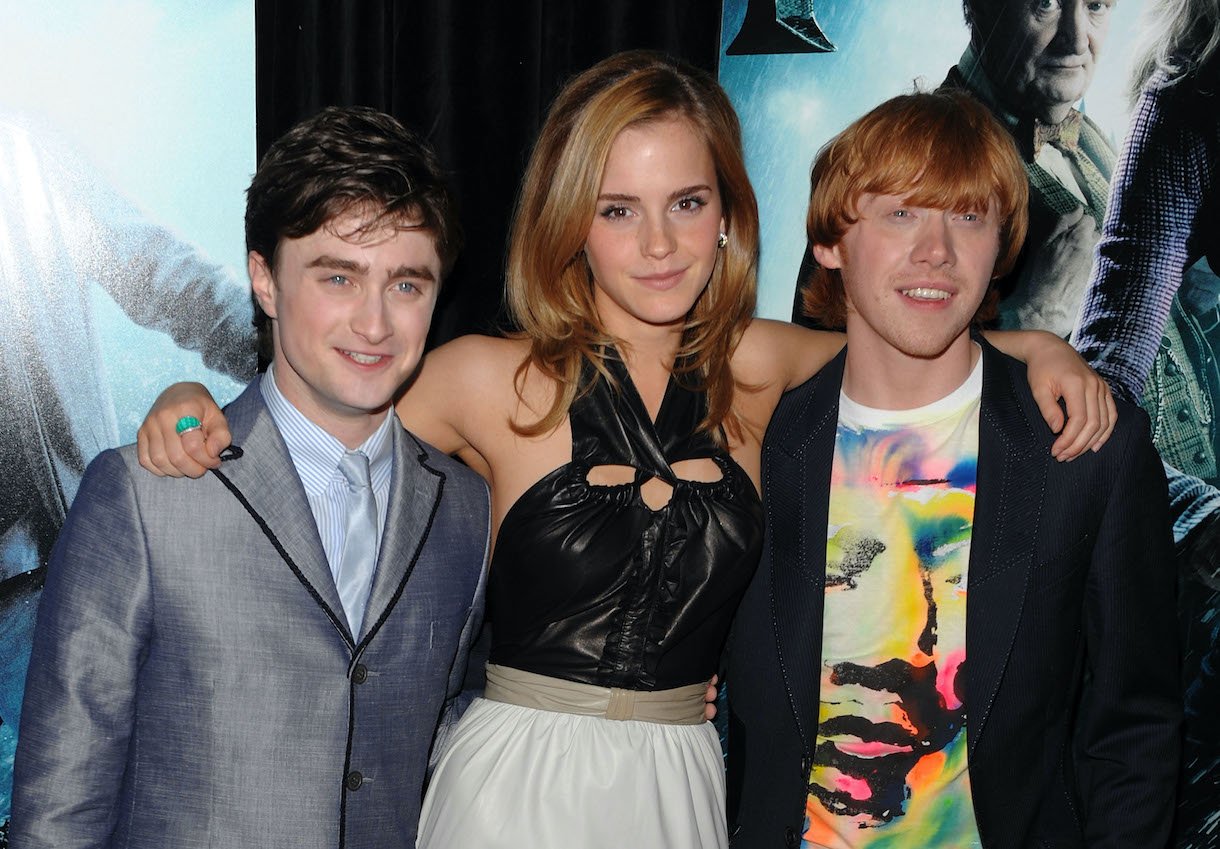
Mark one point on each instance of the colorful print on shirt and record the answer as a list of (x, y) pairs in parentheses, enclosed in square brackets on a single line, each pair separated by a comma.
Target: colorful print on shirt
[(890, 760)]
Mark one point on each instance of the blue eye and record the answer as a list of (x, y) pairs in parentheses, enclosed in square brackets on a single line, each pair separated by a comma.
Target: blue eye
[(337, 280)]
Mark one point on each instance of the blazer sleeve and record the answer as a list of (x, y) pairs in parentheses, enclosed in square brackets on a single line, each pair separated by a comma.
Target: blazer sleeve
[(93, 627), (1128, 728), (457, 699)]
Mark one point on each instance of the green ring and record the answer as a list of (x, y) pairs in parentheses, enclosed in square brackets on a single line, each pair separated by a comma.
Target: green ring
[(187, 423)]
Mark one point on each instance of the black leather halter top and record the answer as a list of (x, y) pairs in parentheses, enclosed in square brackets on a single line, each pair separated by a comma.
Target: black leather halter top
[(589, 584)]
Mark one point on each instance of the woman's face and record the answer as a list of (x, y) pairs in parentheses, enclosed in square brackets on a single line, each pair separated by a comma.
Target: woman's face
[(653, 241)]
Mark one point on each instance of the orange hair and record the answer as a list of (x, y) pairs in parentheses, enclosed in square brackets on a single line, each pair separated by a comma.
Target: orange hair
[(942, 150)]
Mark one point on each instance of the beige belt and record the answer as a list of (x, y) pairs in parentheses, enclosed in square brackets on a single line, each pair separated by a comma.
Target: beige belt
[(679, 706)]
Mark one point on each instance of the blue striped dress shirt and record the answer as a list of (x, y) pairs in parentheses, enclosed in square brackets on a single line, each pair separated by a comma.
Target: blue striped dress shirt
[(315, 455)]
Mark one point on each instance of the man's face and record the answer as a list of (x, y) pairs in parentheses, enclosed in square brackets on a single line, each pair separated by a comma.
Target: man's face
[(351, 312), (1041, 54), (914, 276)]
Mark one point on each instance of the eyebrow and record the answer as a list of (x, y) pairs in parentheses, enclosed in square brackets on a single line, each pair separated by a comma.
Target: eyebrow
[(414, 272), (687, 190), (337, 263)]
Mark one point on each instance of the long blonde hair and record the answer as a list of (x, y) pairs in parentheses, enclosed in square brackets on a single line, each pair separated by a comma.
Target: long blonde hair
[(1180, 36), (549, 287)]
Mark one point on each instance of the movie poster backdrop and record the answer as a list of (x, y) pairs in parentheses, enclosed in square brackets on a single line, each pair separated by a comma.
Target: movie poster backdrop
[(126, 143), (799, 71)]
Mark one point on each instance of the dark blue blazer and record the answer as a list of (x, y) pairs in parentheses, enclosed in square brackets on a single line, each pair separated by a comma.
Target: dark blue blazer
[(1072, 668)]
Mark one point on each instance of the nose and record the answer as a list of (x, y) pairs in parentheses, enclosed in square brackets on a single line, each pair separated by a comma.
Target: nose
[(1072, 34), (369, 320), (934, 244), (657, 238)]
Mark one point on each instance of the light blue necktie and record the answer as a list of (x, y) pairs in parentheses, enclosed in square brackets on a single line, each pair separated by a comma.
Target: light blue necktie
[(359, 558)]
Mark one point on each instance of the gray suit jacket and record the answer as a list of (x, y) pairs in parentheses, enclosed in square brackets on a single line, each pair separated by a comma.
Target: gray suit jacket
[(194, 682)]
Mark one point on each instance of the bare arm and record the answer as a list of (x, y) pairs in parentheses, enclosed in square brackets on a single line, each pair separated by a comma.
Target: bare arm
[(782, 356), (459, 389), (1057, 372)]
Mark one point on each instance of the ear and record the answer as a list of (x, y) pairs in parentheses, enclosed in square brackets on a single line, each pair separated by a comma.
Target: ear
[(828, 256), (724, 227), (261, 282)]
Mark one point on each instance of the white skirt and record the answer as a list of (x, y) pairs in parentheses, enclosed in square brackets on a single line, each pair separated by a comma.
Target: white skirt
[(520, 778)]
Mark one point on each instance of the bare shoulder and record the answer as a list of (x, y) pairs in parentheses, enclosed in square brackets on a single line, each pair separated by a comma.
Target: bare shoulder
[(475, 358), (462, 388), (777, 352)]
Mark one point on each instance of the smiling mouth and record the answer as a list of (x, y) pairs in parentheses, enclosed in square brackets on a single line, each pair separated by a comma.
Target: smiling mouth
[(923, 293), (662, 280), (363, 359)]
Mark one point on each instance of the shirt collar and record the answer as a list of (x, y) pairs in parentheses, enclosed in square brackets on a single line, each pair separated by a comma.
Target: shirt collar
[(315, 453)]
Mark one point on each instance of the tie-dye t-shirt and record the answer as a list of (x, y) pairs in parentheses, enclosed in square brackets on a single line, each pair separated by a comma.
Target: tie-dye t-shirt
[(890, 762)]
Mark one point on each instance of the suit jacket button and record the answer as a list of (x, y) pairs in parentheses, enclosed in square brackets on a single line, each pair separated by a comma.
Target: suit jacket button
[(354, 780), (791, 839), (806, 767), (360, 674)]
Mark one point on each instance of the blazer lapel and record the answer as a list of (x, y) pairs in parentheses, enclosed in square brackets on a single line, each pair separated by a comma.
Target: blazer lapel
[(1011, 479), (265, 479), (415, 495), (798, 466)]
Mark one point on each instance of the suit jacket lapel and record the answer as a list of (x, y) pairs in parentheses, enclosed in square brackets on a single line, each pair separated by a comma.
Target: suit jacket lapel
[(1011, 480), (415, 494), (798, 467), (267, 480)]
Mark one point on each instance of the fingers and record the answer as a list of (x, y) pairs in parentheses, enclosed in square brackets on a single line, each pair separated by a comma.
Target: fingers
[(1111, 416), (1047, 399), (1084, 422), (709, 708), (163, 451), (216, 427), (1092, 416)]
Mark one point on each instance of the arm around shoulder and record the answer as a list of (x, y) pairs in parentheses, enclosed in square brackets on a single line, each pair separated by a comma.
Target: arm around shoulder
[(778, 352), (94, 622), (458, 387)]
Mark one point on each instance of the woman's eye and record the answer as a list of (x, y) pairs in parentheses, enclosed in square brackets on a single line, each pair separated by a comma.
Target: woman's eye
[(613, 212), (690, 204)]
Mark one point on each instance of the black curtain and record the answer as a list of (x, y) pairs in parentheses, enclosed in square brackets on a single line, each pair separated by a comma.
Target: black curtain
[(474, 77)]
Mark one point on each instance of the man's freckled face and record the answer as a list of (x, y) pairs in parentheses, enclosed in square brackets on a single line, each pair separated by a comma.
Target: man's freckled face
[(914, 277)]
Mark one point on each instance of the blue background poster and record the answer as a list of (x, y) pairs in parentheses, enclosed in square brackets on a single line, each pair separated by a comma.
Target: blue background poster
[(790, 104), (126, 143)]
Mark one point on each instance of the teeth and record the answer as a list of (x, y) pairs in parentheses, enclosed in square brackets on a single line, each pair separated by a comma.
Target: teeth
[(927, 294), (363, 359)]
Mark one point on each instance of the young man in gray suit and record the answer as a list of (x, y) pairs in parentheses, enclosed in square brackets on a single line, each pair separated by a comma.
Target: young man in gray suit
[(261, 657), (952, 639)]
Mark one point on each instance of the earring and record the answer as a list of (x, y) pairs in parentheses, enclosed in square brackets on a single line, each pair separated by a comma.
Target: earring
[(723, 241)]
